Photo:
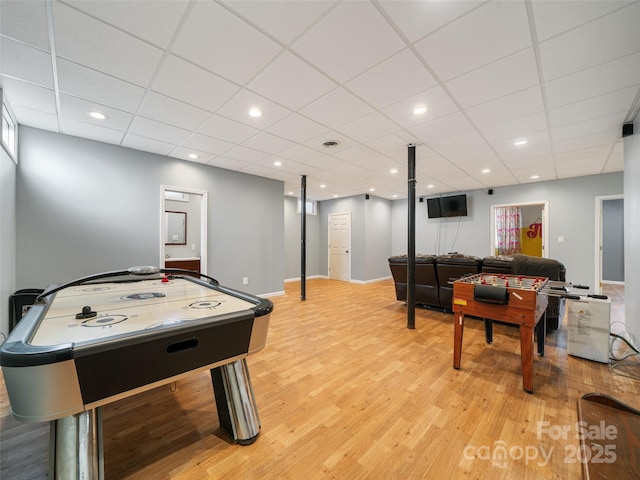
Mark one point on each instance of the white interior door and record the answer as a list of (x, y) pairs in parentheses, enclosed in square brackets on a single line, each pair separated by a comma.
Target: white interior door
[(339, 246)]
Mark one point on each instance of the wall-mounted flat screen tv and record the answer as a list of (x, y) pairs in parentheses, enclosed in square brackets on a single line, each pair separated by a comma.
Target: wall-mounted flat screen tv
[(451, 206)]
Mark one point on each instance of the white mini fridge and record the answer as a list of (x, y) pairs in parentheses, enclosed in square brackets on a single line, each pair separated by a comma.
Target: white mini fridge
[(588, 327)]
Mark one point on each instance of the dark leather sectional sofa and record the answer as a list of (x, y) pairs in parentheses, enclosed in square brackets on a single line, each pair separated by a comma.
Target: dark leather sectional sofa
[(434, 272)]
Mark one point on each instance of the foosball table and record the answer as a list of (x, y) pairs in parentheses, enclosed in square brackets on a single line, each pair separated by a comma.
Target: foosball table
[(516, 299)]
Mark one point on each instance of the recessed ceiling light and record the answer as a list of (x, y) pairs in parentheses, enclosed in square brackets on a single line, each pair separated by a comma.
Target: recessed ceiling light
[(419, 110), (486, 170), (290, 193), (372, 189), (255, 112), (335, 195), (534, 177), (323, 186), (393, 170), (97, 115), (520, 143), (277, 163), (430, 185), (192, 156), (395, 195)]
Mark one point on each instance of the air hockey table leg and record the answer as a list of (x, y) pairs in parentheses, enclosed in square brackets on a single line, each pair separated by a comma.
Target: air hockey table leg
[(237, 410), (76, 450)]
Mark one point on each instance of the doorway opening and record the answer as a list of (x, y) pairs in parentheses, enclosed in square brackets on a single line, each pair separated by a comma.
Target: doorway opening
[(183, 244), (609, 241), (520, 228)]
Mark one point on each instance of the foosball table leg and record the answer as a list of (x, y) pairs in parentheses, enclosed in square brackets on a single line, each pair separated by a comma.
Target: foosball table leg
[(457, 339), (488, 330), (541, 331), (526, 353)]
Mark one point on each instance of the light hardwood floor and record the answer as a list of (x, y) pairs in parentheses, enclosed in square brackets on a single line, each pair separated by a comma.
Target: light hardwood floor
[(346, 391)]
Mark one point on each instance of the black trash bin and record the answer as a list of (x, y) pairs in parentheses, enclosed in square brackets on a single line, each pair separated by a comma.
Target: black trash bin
[(20, 302)]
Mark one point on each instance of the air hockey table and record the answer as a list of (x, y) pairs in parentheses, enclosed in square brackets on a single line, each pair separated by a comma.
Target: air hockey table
[(98, 339)]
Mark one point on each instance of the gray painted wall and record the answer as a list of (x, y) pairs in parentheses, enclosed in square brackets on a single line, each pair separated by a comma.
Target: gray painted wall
[(632, 230), (370, 235), (571, 215), (613, 240), (7, 235), (85, 207), (293, 239)]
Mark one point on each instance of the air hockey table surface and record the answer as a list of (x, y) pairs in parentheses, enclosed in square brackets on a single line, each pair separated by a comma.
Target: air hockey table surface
[(93, 343)]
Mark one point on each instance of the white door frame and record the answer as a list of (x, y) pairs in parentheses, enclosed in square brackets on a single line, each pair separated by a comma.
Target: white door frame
[(203, 222), (329, 243), (545, 223), (597, 266)]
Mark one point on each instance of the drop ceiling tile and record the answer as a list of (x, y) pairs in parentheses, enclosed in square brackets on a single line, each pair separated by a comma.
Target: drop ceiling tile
[(266, 142), (615, 162), (151, 20), (435, 165), (515, 128), (302, 154), (507, 108), (25, 63), (506, 76), (234, 49), (297, 128), (443, 127), (437, 101), (608, 38), (589, 127), (84, 40), (69, 126), (145, 127), (179, 114), (459, 181), (348, 40), (526, 154), (193, 85), (417, 19), (344, 143), (600, 105), (554, 18), (601, 79), (486, 34), (78, 109), (147, 144), (607, 138), (79, 81), (238, 109), (28, 95), (25, 22), (228, 163), (336, 108), (227, 130), (392, 80), (534, 139), (291, 82), (369, 128), (35, 118), (202, 143), (285, 20), (463, 141), (244, 154), (183, 153)]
